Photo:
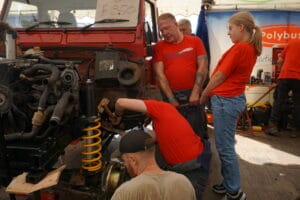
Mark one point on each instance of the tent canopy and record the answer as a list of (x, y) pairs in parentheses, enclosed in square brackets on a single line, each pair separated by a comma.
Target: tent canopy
[(192, 7)]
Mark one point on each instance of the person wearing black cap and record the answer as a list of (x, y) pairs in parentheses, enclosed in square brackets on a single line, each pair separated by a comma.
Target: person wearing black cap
[(180, 149), (149, 181)]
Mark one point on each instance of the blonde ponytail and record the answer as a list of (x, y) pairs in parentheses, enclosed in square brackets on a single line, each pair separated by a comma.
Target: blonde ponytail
[(256, 40), (247, 20)]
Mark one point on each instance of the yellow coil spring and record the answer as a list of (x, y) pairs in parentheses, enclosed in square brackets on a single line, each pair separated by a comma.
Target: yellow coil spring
[(91, 160)]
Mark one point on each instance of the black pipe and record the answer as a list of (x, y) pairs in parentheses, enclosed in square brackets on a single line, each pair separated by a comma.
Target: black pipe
[(29, 135), (47, 132), (43, 99), (50, 81), (21, 136), (60, 108), (54, 72), (88, 68), (53, 78), (13, 136), (32, 70), (47, 112)]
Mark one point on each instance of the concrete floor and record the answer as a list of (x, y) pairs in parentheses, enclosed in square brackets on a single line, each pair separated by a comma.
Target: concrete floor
[(270, 167)]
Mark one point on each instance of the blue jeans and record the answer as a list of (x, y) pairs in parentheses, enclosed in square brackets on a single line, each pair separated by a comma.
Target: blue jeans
[(226, 112)]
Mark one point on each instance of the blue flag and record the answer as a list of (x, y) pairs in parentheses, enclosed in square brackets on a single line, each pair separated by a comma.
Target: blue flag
[(202, 31)]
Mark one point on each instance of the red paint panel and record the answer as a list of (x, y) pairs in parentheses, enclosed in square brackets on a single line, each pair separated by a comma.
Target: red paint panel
[(94, 38), (42, 38)]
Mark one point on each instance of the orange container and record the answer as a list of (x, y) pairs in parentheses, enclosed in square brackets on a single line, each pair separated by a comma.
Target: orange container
[(210, 118)]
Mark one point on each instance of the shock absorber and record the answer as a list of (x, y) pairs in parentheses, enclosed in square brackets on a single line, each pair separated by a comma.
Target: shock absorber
[(91, 160)]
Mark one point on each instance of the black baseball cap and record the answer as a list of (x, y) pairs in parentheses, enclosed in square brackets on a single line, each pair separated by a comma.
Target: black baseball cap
[(136, 141)]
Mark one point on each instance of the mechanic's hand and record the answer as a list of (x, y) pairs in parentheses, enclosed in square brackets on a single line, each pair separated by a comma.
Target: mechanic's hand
[(204, 98), (115, 119), (194, 98)]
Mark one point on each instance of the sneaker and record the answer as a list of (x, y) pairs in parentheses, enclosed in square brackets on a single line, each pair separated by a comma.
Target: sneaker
[(272, 130), (219, 189), (240, 195)]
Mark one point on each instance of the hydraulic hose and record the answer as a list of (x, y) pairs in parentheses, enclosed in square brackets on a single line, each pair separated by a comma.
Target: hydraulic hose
[(60, 108), (43, 99)]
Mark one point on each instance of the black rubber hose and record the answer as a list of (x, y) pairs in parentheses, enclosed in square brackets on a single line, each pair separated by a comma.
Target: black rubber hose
[(47, 112), (54, 72), (43, 99), (50, 81), (33, 70), (53, 78), (29, 135), (21, 136), (88, 68), (49, 130), (60, 108)]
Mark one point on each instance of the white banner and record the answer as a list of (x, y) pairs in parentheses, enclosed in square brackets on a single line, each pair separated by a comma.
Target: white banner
[(277, 28)]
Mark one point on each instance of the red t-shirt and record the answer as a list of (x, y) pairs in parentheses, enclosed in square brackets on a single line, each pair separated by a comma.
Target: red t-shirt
[(176, 139), (180, 61), (237, 64), (291, 65)]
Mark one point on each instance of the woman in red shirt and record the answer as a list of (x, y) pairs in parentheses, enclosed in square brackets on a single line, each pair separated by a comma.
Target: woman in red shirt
[(226, 89)]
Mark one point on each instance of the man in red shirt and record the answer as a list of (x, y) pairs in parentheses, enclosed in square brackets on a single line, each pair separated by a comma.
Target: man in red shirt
[(288, 80), (180, 64), (181, 149)]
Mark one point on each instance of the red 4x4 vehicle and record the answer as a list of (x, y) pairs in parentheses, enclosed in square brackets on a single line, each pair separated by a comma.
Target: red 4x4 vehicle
[(76, 54)]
